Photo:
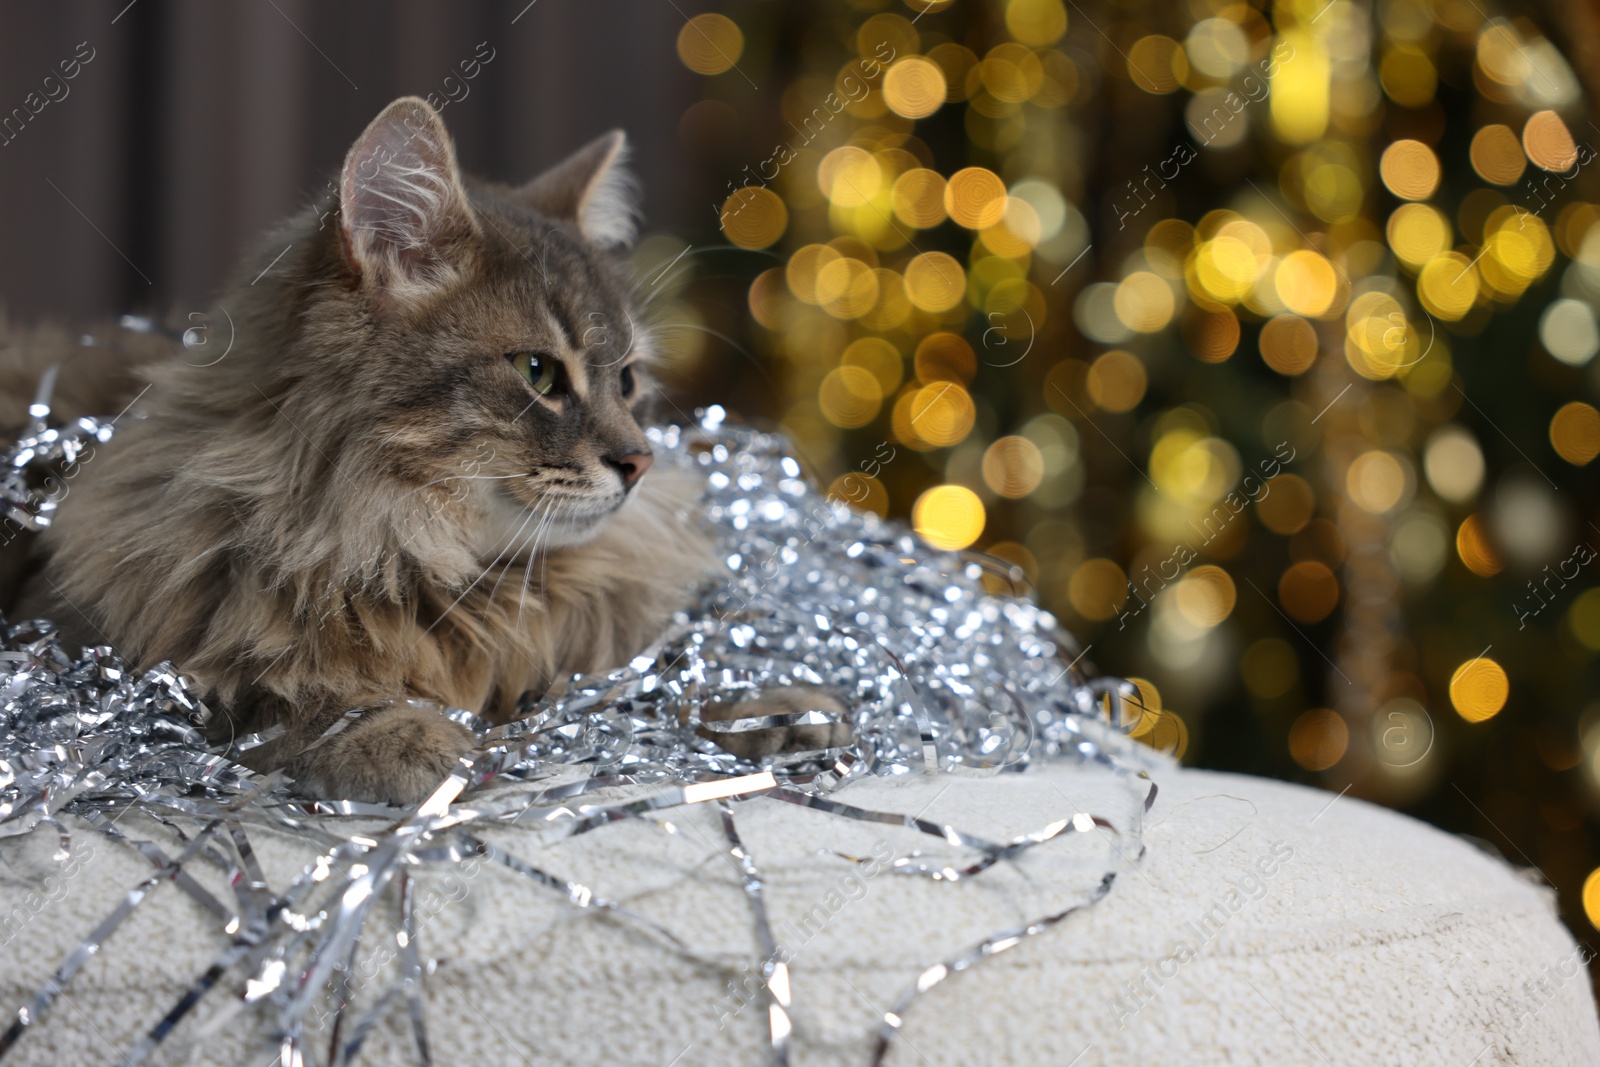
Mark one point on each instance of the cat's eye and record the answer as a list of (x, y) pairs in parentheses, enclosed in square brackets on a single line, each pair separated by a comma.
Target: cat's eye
[(626, 380), (545, 374)]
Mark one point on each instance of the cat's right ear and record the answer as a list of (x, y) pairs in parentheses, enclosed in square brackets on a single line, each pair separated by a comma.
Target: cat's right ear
[(403, 212)]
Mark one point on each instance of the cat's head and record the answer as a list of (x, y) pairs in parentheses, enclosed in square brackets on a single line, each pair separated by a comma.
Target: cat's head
[(499, 353)]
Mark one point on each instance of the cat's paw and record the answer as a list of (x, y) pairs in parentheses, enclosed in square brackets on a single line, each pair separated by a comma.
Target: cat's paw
[(770, 741), (393, 755)]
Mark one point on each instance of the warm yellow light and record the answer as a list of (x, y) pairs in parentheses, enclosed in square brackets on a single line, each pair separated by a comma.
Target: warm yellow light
[(934, 281), (1117, 381), (1013, 467), (918, 198), (846, 288), (1548, 142), (1575, 433), (948, 516), (945, 357), (1418, 233), (879, 358), (1448, 286), (1318, 739), (1479, 689), (914, 87), (975, 197), (1472, 545), (1097, 589), (1591, 898), (1287, 505), (1376, 482), (803, 267), (1410, 170), (938, 415), (1308, 591), (1289, 344), (1205, 596), (710, 44), (849, 176), (754, 217), (1306, 282), (1144, 302), (1497, 155), (1299, 99), (1036, 23), (850, 396)]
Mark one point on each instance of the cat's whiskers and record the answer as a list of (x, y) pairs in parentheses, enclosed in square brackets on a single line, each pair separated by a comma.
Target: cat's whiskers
[(510, 541), (544, 528), (459, 477), (481, 575)]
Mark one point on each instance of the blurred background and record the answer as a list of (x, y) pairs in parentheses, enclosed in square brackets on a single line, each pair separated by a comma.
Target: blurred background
[(1258, 339)]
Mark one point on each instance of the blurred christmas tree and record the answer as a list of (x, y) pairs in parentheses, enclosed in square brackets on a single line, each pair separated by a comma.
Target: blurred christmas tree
[(1257, 339)]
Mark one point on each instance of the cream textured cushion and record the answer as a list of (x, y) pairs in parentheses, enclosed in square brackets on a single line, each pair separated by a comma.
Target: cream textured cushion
[(1266, 924)]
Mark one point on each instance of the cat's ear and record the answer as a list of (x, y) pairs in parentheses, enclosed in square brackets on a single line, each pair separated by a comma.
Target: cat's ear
[(593, 188), (404, 212)]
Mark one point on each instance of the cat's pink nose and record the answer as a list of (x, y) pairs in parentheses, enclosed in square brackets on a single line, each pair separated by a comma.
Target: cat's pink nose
[(632, 467)]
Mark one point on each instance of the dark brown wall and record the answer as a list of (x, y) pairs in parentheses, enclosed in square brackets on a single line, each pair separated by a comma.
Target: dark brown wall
[(200, 122)]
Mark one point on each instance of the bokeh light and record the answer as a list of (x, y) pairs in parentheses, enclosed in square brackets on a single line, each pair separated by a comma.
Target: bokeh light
[(710, 43), (1478, 689), (949, 516)]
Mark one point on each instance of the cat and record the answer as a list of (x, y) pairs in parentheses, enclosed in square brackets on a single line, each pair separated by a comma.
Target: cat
[(419, 472)]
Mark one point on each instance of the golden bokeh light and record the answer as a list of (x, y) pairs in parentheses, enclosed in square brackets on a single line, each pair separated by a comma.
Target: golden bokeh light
[(1287, 505), (1318, 739), (1548, 143), (948, 517), (1453, 463), (1013, 467), (1408, 76), (849, 176), (936, 416), (1448, 286), (1575, 433), (934, 281), (861, 491), (803, 267), (945, 357), (1036, 23), (1212, 335), (1117, 381), (850, 396), (975, 197), (1097, 589), (1307, 282), (1205, 596), (1144, 302), (710, 43), (1308, 591), (754, 217), (1011, 72), (1418, 233), (1478, 689), (1497, 155), (1475, 550), (1289, 344), (1583, 619), (846, 288), (1409, 169), (1591, 898), (914, 87), (1376, 481), (879, 358), (1157, 64), (918, 198)]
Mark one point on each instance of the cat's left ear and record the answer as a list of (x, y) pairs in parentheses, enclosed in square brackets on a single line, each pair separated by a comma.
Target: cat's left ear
[(404, 212), (593, 188)]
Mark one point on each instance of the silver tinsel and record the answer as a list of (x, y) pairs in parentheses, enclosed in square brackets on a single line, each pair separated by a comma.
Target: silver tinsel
[(941, 676)]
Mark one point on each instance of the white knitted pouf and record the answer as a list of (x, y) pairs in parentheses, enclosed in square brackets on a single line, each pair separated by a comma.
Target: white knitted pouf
[(1265, 924)]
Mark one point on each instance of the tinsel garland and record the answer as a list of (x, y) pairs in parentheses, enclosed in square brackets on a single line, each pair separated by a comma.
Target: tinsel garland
[(941, 676)]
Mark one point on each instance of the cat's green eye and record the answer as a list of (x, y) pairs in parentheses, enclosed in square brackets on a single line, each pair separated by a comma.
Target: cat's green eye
[(541, 372)]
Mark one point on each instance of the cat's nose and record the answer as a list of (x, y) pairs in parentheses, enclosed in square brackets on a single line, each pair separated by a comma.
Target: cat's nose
[(631, 467)]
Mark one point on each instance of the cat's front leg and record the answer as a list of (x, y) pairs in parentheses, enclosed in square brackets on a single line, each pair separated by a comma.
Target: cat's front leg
[(390, 754), (397, 754)]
